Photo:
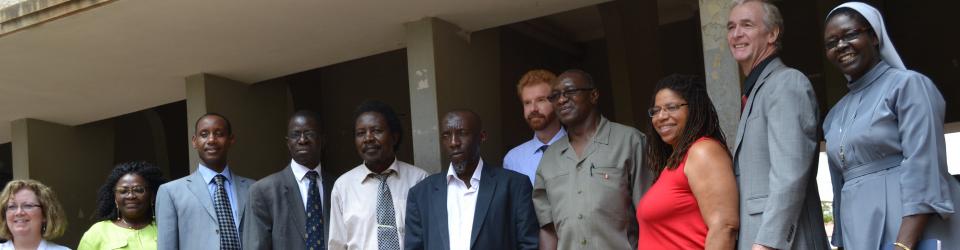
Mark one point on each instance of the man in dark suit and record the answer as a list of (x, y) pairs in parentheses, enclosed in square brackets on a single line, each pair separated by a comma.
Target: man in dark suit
[(204, 210), (473, 205), (287, 210)]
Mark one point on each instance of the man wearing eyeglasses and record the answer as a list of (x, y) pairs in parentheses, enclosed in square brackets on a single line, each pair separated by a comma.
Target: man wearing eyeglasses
[(290, 209), (776, 146), (205, 209), (588, 182)]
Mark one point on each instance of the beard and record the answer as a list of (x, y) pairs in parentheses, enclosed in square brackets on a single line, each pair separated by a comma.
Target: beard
[(459, 167), (538, 121)]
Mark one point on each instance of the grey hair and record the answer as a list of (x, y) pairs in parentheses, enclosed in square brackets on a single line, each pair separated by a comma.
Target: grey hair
[(771, 17)]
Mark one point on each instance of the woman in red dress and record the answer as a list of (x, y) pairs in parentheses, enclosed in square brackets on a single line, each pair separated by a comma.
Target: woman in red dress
[(693, 203)]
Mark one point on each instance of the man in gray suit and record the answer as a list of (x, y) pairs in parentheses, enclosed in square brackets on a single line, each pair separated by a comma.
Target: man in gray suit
[(775, 154), (283, 211), (204, 210)]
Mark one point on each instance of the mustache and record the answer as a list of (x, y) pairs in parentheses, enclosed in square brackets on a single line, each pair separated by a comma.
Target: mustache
[(536, 114)]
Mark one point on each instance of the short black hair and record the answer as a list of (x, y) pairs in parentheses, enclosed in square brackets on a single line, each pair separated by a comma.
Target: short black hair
[(225, 121), (465, 111), (393, 121), (583, 74), (106, 206), (309, 114)]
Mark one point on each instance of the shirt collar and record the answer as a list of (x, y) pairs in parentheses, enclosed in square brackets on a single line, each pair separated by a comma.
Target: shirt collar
[(393, 169), (299, 171), (475, 179), (869, 77), (208, 174), (537, 143), (754, 75)]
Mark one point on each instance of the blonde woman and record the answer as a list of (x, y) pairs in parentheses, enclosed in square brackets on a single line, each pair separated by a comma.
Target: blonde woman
[(32, 216)]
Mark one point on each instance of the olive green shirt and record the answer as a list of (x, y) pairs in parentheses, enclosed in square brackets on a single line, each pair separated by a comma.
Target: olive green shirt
[(592, 200)]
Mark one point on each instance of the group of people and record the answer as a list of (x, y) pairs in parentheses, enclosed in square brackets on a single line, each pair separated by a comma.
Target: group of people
[(582, 181)]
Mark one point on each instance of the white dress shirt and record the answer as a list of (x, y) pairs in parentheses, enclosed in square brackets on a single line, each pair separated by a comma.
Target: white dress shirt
[(526, 157), (353, 204), (300, 175), (461, 205)]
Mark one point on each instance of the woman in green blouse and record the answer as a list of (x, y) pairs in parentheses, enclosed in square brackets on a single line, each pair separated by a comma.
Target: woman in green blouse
[(125, 209)]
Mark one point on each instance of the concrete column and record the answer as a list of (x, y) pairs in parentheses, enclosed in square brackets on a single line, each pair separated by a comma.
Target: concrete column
[(449, 68), (258, 115), (631, 32), (722, 75), (73, 160)]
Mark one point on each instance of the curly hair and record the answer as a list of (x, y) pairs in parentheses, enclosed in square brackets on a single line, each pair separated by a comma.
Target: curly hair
[(106, 200), (393, 121), (55, 218), (702, 121)]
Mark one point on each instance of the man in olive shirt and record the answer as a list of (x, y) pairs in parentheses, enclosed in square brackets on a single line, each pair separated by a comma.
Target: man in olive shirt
[(588, 183)]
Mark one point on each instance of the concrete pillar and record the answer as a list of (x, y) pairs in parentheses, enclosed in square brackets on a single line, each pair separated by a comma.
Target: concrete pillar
[(449, 68), (631, 35), (258, 115), (73, 160), (722, 74)]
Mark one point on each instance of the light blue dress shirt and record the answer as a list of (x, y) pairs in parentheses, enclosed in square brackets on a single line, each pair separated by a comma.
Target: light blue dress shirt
[(525, 157), (208, 175)]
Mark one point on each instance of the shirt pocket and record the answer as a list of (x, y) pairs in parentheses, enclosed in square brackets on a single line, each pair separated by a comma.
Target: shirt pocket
[(608, 177)]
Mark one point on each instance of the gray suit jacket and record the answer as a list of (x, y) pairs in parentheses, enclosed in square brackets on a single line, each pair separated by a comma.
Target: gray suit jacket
[(185, 215), (276, 218), (775, 159)]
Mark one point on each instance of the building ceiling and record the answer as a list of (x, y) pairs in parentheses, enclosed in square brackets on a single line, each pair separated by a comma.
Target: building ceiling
[(129, 55)]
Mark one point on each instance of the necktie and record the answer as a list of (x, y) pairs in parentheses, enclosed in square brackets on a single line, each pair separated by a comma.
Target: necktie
[(229, 238), (542, 148), (314, 238), (387, 236)]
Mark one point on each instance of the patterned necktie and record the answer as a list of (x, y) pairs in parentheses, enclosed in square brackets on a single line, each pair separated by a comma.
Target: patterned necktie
[(229, 238), (314, 237), (387, 236)]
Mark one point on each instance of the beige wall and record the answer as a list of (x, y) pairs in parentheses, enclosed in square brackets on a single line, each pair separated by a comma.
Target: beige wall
[(258, 114), (450, 69), (73, 160)]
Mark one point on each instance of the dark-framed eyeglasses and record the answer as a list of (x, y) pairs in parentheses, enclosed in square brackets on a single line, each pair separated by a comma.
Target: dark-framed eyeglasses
[(566, 93), (128, 190), (849, 37), (670, 108), (296, 135), (27, 207)]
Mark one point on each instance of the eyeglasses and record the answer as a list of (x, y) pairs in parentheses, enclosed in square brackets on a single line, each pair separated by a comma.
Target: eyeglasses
[(296, 135), (670, 108), (128, 190), (27, 207), (567, 93), (849, 37)]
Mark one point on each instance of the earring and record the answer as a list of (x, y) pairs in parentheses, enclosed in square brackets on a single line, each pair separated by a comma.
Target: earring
[(118, 211), (43, 229)]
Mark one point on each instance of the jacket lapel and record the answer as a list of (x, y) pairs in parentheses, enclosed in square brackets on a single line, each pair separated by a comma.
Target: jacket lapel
[(241, 189), (775, 64), (199, 189), (291, 191), (439, 209), (488, 186)]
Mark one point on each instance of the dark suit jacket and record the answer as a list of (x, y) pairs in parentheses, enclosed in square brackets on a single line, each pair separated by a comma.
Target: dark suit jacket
[(276, 215), (504, 217)]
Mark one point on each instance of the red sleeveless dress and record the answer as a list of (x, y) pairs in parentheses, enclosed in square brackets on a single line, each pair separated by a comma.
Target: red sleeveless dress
[(668, 214)]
